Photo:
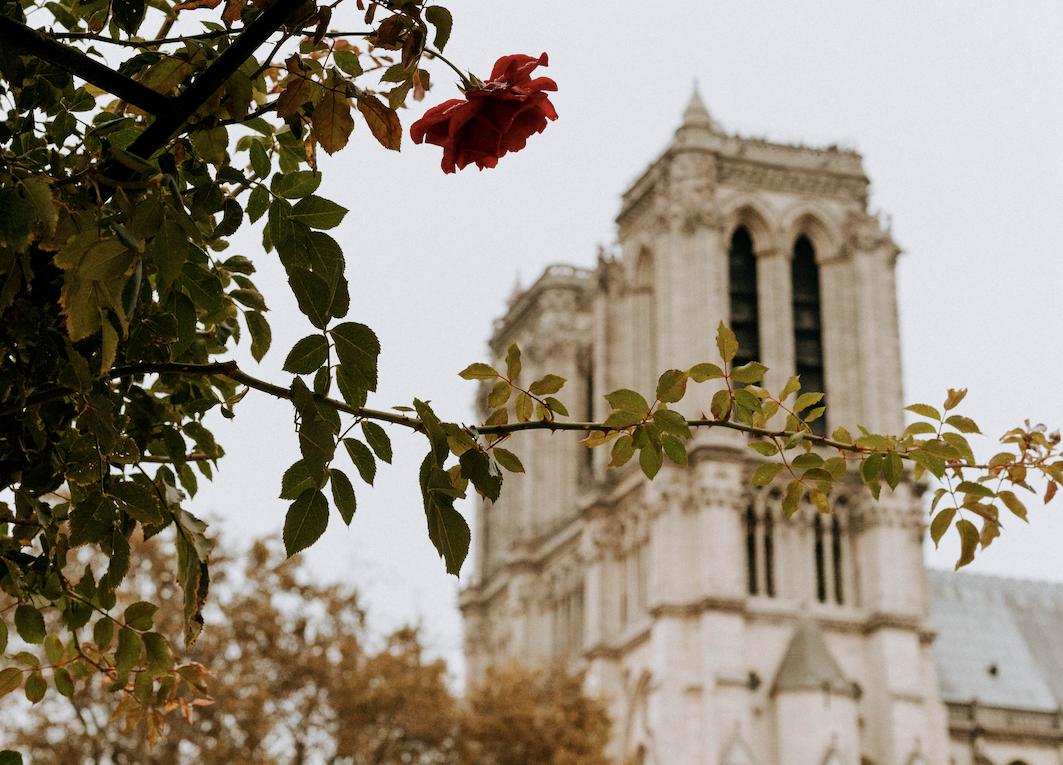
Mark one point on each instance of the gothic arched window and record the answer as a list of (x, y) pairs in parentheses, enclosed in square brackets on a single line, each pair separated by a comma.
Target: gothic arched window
[(821, 562), (742, 277), (808, 334), (751, 550), (644, 314), (836, 559), (769, 554)]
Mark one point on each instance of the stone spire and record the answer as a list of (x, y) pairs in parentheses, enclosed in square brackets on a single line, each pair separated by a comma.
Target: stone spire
[(698, 128)]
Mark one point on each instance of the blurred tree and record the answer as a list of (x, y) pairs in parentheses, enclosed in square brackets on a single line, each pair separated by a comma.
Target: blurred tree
[(294, 677)]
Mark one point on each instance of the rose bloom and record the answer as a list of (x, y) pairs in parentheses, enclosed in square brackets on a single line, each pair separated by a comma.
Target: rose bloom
[(491, 120)]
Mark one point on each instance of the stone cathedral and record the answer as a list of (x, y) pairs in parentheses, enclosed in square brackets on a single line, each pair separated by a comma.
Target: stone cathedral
[(717, 631)]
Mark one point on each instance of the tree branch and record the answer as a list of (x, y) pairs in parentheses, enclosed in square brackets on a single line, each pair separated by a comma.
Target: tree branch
[(17, 35)]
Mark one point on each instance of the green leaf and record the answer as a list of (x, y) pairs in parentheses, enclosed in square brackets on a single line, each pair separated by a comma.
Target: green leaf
[(259, 161), (261, 336), (3, 637), (650, 460), (478, 371), (941, 523), (357, 348), (513, 365), (556, 406), (128, 652), (168, 252), (623, 451), (806, 400), (673, 422), (305, 522), (440, 18), (141, 615), (318, 212), (522, 407), (671, 386), (307, 355), (767, 448), (348, 62), (765, 474), (103, 633), (138, 501), (962, 424), (701, 372), (296, 480), (726, 342), (36, 687), (892, 469), (871, 468), (548, 384), (157, 653), (9, 756), (720, 406), (675, 450), (621, 419), (924, 410), (628, 401), (792, 499), (362, 458), (753, 372), (63, 683), (507, 459), (53, 648), (1013, 503), (257, 203), (968, 542), (297, 184), (477, 467), (212, 145), (954, 397), (29, 623), (975, 489), (343, 495), (378, 440), (313, 294), (128, 14)]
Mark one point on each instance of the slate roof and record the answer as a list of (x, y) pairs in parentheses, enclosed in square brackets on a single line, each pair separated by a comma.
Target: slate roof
[(999, 641), (808, 664)]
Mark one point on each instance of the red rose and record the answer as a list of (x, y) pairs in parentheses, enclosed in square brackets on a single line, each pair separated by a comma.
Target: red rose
[(493, 119)]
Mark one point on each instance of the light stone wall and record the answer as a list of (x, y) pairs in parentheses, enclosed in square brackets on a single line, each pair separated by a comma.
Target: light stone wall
[(683, 655)]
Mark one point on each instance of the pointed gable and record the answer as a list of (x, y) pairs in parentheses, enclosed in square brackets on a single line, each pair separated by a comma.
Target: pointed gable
[(808, 664)]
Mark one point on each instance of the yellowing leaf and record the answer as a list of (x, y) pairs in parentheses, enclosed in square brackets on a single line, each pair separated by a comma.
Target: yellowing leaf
[(382, 121)]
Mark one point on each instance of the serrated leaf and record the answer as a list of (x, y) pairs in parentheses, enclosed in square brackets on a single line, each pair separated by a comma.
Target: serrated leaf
[(3, 637), (556, 406), (382, 121), (378, 440), (362, 458), (261, 336), (358, 349), (628, 401), (701, 372), (157, 653), (513, 365), (29, 623), (478, 371), (726, 342), (941, 523), (103, 633), (806, 400), (296, 184), (623, 451), (792, 499), (499, 395), (547, 384), (522, 407), (765, 473), (307, 355), (332, 120), (924, 410), (128, 652), (620, 419), (720, 405), (962, 424), (650, 460), (968, 542), (140, 615), (343, 495), (508, 460), (318, 212), (671, 386), (36, 687), (892, 469), (305, 522), (767, 448), (753, 372)]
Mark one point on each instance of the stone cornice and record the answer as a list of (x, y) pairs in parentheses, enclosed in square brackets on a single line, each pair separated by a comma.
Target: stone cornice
[(557, 276)]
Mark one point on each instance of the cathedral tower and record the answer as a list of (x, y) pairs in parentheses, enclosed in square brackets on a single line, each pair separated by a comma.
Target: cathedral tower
[(720, 632)]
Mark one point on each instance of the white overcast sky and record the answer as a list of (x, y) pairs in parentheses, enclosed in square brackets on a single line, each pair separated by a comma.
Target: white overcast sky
[(956, 107)]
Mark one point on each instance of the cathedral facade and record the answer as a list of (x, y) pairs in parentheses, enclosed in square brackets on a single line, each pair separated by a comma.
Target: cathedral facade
[(718, 631)]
